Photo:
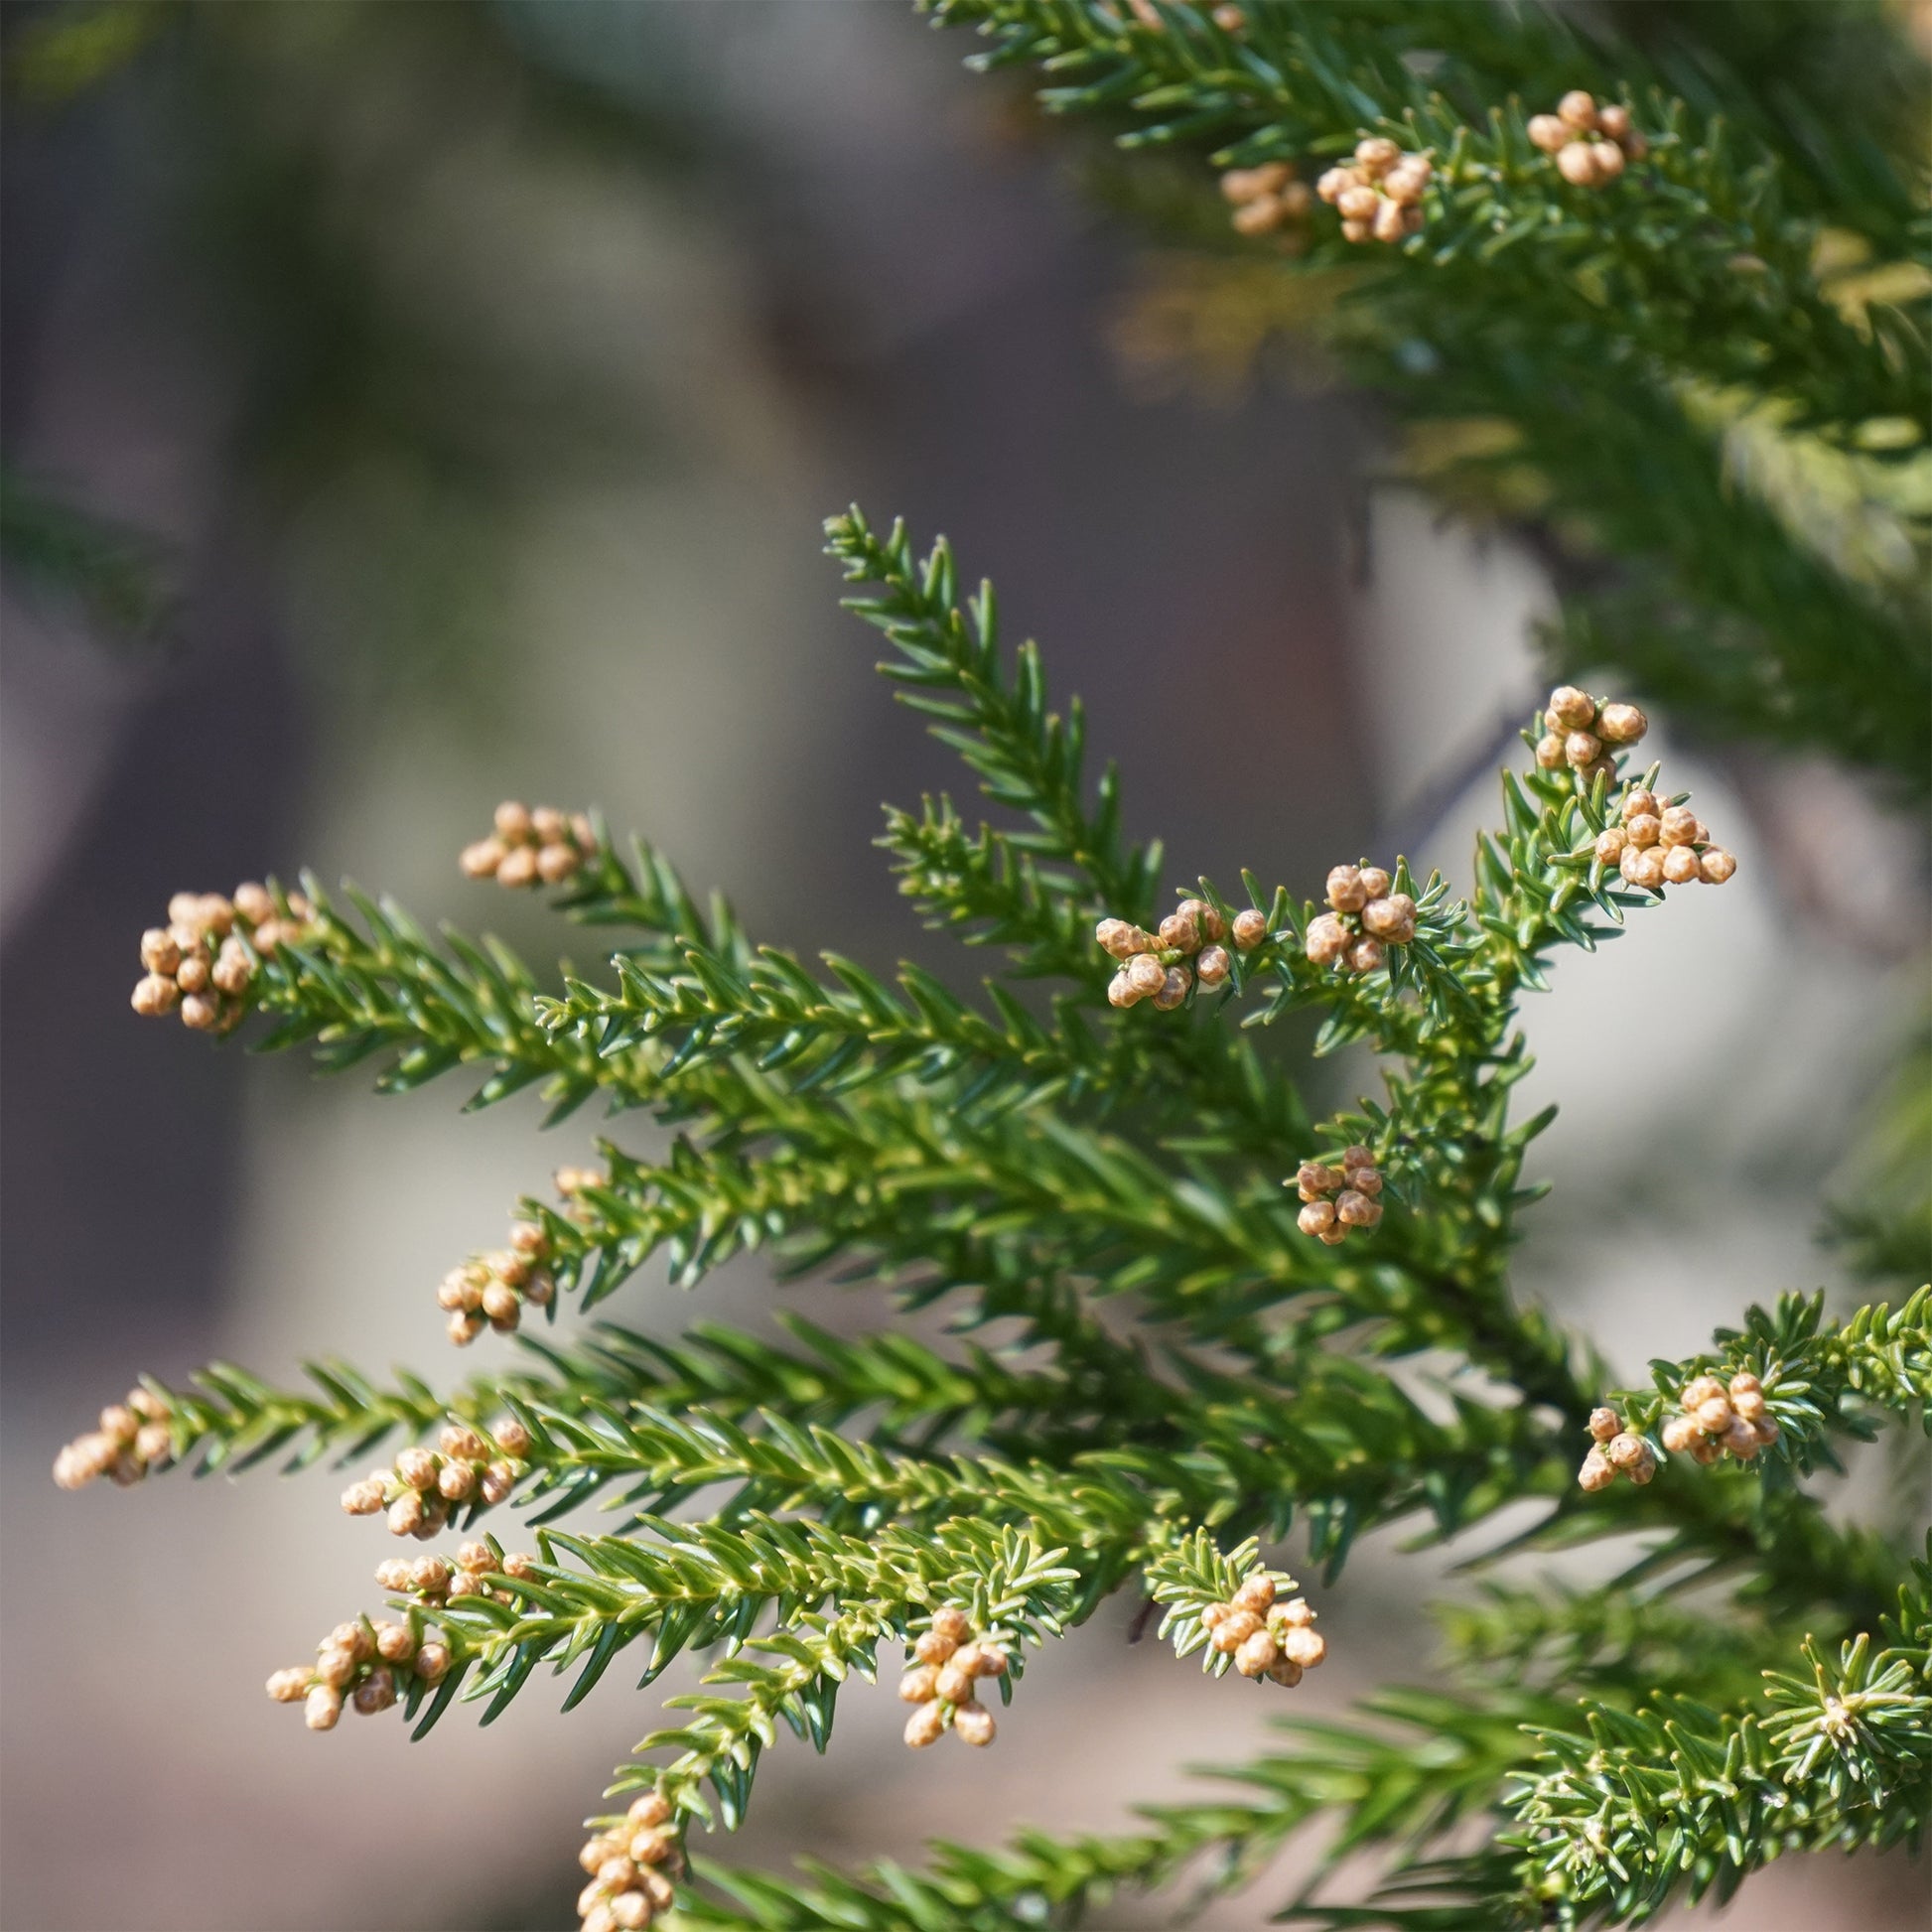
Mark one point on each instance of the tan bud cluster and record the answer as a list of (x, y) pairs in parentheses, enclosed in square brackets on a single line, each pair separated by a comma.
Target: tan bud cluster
[(570, 1184), (367, 1664), (1163, 966), (1335, 1199), (433, 1581), (634, 1861), (1368, 917), (532, 846), (201, 963), (949, 1661), (1379, 195), (1265, 1637), (1658, 843), (1590, 144), (1614, 1452), (133, 1438), (1266, 198), (1585, 734), (1716, 1420), (491, 1289), (420, 1489)]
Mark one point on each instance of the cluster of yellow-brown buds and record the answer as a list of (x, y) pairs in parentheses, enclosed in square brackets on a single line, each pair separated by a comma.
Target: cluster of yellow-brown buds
[(1378, 195), (491, 1289), (1715, 1421), (1335, 1199), (530, 846), (1265, 198), (1614, 1452), (1585, 734), (945, 1682), (1369, 918), (364, 1664), (418, 1491), (1157, 965), (1590, 143), (631, 1867), (1264, 1638), (436, 1580), (198, 962), (133, 1438), (1227, 17), (1660, 845)]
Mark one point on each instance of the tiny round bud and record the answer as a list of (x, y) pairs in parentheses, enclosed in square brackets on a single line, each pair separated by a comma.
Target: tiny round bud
[(991, 1661), (1676, 826), (1234, 1630), (548, 825), (1211, 1615), (1376, 155), (1740, 1439), (376, 1691), (1595, 1473), (363, 1498), (233, 969), (1285, 1670), (501, 1303), (1604, 1423), (1122, 992), (1333, 1237), (1643, 1468), (406, 1514), (1331, 183), (1547, 132), (1212, 966), (953, 1684), (1326, 941), (1406, 182), (933, 1646), (416, 1467), (518, 869), (322, 1708), (1357, 1210), (1174, 989), (630, 1910), (1390, 223), (1312, 1180), (462, 1442), (1583, 747), (119, 1424), (289, 1686), (1766, 1430), (582, 831), (1250, 928), (1715, 864), (432, 1663), (1259, 216), (393, 1642), (1256, 1653), (649, 1809), (556, 862), (1359, 204), (255, 901), (1646, 868), (1577, 109), (479, 1557), (926, 1725), (1609, 158), (1365, 1180), (1639, 804), (1623, 1452), (1577, 164), (481, 858), (1296, 1613), (1680, 865), (1745, 1383), (1569, 710), (430, 1574), (1701, 1388), (1116, 937), (1714, 1415), (1346, 892), (1357, 231), (1621, 724), (1679, 1433), (599, 1917), (1300, 1646), (512, 820), (1609, 844), (463, 1326), (155, 1445), (334, 1666), (1392, 919), (974, 1723), (1145, 974), (1706, 1451), (1367, 956), (512, 1436), (1613, 120), (457, 1481), (199, 1012), (159, 952), (919, 1685), (498, 1480), (1549, 752), (1317, 1217), (1257, 1594)]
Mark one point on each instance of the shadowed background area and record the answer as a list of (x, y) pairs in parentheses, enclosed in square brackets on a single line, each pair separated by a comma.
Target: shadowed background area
[(454, 393)]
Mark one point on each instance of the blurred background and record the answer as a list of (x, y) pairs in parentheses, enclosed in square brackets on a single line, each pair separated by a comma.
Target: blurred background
[(444, 399)]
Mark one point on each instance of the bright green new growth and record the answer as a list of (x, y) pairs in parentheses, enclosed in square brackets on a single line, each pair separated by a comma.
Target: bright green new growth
[(1146, 1371)]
